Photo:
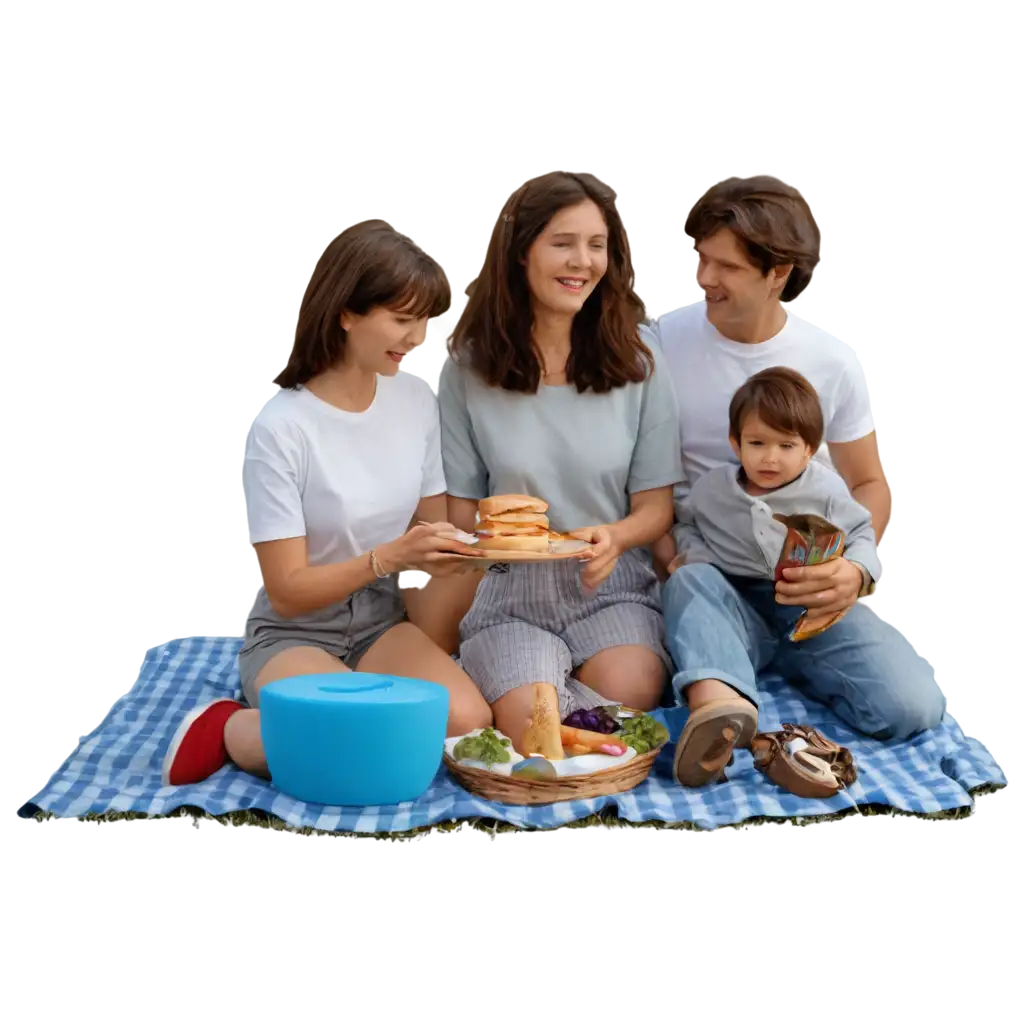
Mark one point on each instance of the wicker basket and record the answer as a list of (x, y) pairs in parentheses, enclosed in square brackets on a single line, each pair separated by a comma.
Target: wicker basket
[(507, 789)]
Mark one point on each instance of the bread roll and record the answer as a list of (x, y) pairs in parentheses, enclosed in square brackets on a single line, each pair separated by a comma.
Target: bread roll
[(543, 729), (499, 504), (537, 542)]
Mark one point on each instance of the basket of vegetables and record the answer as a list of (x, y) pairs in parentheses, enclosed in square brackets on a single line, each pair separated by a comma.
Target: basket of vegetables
[(607, 750)]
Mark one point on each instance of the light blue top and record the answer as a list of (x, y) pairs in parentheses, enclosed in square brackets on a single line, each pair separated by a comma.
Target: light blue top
[(584, 454)]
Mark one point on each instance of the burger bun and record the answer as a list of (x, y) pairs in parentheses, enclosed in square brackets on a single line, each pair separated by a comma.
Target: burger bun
[(535, 542), (502, 504)]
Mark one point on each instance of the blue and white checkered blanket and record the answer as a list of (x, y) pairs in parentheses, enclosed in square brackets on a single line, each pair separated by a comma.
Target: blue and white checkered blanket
[(118, 767)]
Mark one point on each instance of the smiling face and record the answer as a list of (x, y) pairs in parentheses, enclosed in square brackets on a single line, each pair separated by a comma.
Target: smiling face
[(568, 258), (378, 341), (770, 458), (737, 291)]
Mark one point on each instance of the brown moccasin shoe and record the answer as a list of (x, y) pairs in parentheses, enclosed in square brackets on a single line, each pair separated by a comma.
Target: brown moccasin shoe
[(803, 761)]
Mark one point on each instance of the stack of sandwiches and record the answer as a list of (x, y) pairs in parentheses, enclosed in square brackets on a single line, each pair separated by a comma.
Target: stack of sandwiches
[(513, 522)]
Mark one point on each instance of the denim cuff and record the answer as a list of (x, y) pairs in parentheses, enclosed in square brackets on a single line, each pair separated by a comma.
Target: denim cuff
[(743, 687)]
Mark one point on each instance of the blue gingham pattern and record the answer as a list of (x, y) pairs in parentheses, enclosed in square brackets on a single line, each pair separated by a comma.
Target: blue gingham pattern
[(118, 767)]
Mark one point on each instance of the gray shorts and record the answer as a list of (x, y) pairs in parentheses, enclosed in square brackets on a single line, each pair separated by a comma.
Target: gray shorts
[(347, 630), (535, 624)]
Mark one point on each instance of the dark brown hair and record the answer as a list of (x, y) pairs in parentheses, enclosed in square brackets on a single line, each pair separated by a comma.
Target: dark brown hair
[(367, 265), (771, 219), (494, 333), (784, 400)]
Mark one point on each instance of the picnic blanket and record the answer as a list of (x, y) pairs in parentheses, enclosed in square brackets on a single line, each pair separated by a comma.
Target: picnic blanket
[(116, 769)]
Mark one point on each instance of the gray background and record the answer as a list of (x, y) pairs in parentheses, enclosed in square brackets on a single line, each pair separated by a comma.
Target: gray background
[(164, 179)]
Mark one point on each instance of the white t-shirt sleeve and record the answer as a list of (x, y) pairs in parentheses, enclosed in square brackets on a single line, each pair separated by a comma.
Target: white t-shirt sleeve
[(270, 475), (433, 467), (852, 419)]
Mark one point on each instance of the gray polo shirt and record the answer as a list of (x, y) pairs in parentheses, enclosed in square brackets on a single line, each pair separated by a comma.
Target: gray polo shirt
[(584, 454), (723, 525)]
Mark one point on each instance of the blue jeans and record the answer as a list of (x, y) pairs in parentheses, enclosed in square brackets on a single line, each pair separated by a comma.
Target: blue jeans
[(861, 668)]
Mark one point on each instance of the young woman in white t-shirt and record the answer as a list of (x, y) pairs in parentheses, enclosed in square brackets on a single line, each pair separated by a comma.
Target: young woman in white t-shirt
[(344, 489)]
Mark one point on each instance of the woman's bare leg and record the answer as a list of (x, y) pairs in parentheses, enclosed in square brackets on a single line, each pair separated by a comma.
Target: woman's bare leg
[(628, 674), (439, 608), (405, 650), (402, 651), (242, 736), (512, 712)]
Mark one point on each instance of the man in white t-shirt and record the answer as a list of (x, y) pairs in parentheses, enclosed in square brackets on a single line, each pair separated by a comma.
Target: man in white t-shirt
[(757, 245)]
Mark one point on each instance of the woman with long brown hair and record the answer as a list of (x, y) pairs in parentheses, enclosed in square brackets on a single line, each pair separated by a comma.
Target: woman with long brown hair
[(344, 489), (551, 392)]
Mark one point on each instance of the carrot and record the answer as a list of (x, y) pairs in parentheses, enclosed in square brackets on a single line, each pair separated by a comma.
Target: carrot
[(594, 742)]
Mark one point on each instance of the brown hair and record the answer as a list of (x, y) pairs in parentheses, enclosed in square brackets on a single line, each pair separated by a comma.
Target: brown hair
[(494, 333), (367, 265), (771, 219), (784, 400)]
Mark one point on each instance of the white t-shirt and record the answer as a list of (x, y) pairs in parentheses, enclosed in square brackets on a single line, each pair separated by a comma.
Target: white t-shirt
[(707, 368), (346, 481)]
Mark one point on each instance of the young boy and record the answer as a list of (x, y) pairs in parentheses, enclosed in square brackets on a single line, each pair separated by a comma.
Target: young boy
[(775, 428), (730, 626)]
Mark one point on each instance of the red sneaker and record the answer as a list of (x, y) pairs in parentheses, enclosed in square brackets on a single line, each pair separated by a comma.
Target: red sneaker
[(198, 750)]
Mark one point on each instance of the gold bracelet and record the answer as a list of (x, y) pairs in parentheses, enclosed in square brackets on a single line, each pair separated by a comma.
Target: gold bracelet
[(377, 568)]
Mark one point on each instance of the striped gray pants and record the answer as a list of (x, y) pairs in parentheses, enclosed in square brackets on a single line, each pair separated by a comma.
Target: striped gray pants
[(535, 624)]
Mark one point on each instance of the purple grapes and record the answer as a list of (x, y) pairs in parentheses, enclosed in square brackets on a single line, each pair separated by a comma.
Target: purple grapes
[(594, 720)]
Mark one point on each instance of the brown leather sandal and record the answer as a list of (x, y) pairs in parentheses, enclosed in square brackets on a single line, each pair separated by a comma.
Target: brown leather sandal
[(802, 760), (709, 737)]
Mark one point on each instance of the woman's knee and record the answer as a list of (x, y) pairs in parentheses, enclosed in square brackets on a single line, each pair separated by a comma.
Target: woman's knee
[(404, 650), (645, 695), (305, 660), (467, 710), (630, 675)]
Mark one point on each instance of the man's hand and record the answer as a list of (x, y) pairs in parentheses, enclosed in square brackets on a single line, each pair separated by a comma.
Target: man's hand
[(821, 589), (604, 555), (677, 563)]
